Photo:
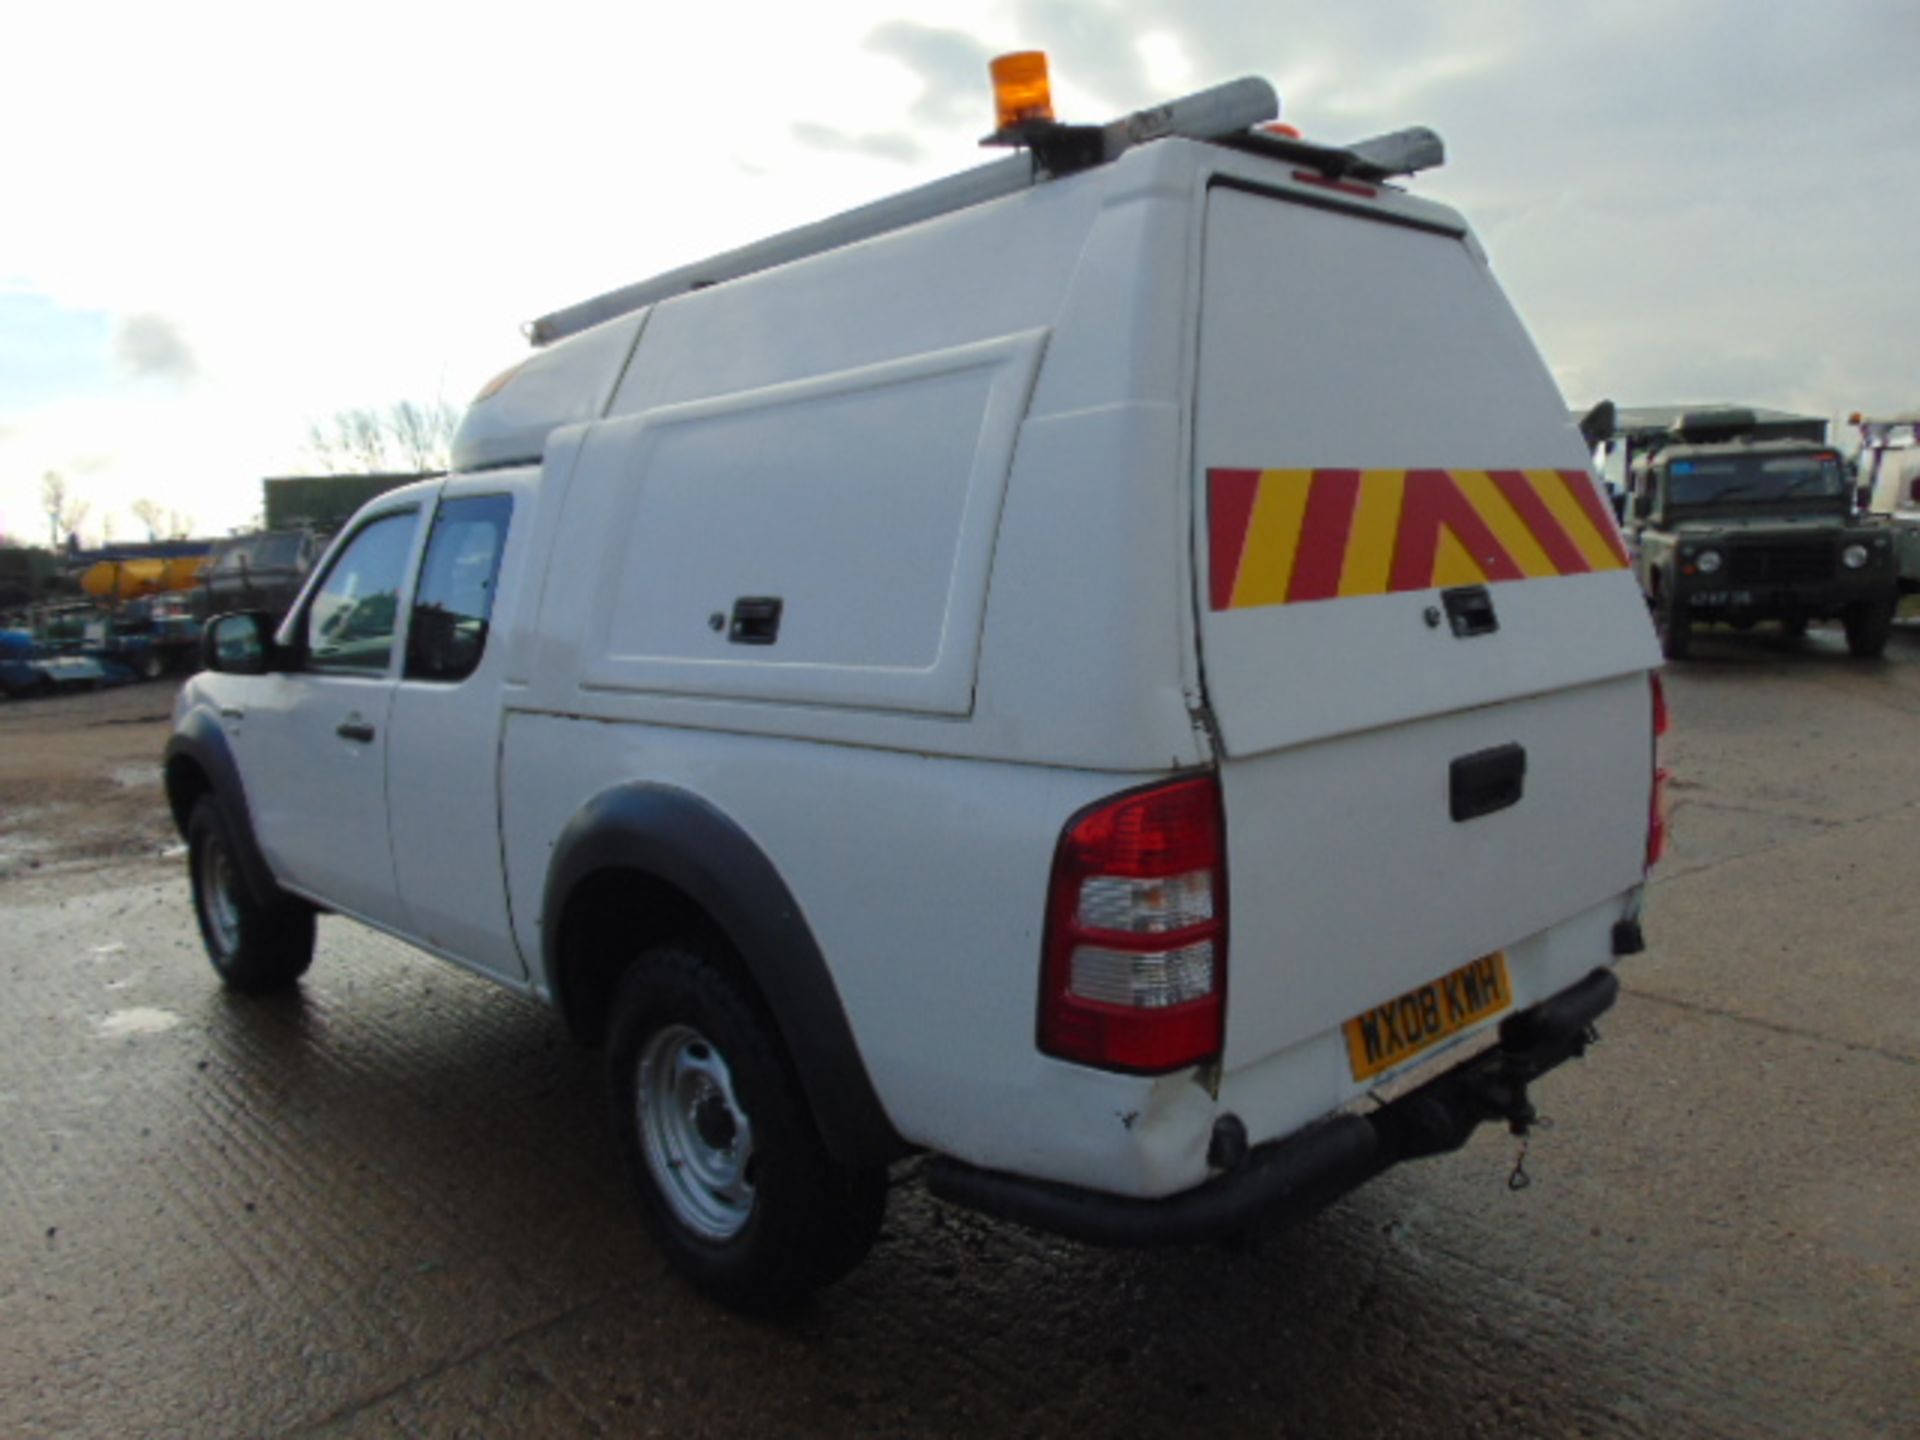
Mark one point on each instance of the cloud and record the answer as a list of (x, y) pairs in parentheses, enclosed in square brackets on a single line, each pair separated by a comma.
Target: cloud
[(1094, 46), (951, 66), (895, 145), (1681, 203), (151, 346), (1662, 188)]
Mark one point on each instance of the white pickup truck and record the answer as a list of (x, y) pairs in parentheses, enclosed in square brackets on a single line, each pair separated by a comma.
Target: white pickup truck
[(1109, 671)]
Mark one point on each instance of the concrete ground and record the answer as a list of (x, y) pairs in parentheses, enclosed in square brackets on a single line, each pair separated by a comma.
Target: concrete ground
[(387, 1205)]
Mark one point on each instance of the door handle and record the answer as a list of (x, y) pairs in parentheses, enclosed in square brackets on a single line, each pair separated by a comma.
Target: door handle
[(355, 730), (232, 712), (756, 620), (1486, 781)]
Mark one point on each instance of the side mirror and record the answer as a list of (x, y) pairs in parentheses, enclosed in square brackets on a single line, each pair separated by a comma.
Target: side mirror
[(238, 644), (1596, 426)]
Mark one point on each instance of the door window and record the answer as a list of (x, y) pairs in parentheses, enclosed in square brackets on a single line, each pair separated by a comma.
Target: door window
[(351, 621), (453, 604)]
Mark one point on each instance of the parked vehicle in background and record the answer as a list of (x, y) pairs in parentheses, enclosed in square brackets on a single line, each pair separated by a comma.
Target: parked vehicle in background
[(36, 673), (144, 638), (1109, 670), (261, 571), (1734, 520), (157, 636), (1888, 472)]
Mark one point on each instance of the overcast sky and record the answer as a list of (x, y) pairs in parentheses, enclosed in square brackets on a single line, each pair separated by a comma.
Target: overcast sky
[(223, 222)]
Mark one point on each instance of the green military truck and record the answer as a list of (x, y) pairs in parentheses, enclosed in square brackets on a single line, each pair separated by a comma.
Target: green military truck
[(1736, 516)]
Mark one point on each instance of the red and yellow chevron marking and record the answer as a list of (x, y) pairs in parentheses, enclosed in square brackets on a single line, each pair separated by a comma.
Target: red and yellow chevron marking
[(1280, 537)]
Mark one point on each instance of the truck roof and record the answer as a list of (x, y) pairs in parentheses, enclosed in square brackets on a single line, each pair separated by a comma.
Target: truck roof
[(1226, 113), (1643, 422), (1778, 445)]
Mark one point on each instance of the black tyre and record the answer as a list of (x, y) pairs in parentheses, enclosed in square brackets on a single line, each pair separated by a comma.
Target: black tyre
[(717, 1140), (1869, 626), (1794, 627), (1676, 629), (152, 665), (256, 948)]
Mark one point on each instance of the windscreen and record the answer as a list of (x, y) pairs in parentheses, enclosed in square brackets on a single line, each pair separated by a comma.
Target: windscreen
[(1712, 479)]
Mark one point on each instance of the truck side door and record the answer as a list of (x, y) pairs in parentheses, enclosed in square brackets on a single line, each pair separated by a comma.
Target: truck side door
[(313, 745), (444, 733)]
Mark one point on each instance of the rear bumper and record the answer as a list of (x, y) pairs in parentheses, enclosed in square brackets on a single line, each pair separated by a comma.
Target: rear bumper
[(1288, 1180)]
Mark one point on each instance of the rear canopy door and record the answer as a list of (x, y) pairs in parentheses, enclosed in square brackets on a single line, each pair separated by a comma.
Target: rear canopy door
[(1373, 427), (1420, 640)]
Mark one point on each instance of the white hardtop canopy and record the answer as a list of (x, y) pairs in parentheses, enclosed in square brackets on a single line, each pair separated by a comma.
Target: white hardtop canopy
[(1226, 113)]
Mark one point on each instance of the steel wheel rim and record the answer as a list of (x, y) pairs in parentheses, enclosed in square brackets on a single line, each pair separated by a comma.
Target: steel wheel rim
[(698, 1141), (218, 889)]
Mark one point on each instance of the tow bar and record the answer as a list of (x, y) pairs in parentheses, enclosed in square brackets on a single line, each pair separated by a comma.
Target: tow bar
[(1287, 1180)]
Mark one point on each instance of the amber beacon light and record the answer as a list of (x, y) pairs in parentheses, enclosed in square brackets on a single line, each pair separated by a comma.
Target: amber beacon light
[(1020, 90)]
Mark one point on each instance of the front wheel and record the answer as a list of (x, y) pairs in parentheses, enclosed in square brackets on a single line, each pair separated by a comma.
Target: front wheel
[(1869, 626), (717, 1140), (254, 948), (1675, 625)]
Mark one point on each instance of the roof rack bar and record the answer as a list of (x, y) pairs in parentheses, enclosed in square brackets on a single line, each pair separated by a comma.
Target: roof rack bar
[(1210, 114), (909, 207)]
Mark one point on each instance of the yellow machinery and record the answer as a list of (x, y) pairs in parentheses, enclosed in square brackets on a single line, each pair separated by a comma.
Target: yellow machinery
[(131, 579)]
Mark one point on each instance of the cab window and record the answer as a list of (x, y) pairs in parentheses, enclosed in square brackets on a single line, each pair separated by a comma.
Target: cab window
[(351, 621), (453, 603)]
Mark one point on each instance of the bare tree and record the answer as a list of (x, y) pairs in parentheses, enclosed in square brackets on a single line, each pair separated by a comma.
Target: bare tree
[(65, 514), (424, 433), (151, 517), (407, 436), (320, 448)]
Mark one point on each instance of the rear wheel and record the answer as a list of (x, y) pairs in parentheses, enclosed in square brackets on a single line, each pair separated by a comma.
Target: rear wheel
[(730, 1171), (256, 948), (1869, 626), (1794, 627)]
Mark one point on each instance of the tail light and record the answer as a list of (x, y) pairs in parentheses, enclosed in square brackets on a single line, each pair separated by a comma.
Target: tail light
[(1657, 803), (1134, 967)]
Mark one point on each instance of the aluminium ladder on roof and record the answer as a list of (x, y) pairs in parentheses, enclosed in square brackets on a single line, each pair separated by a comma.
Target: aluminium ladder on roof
[(1223, 110)]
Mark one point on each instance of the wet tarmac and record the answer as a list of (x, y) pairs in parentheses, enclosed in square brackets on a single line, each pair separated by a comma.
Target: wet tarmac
[(388, 1205)]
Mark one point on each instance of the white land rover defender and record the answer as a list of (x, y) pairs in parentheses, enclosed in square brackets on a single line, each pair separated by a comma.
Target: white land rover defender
[(1095, 671)]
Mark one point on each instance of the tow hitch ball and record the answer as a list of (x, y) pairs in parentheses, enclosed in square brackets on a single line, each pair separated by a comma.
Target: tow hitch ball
[(1506, 1099), (1502, 1095)]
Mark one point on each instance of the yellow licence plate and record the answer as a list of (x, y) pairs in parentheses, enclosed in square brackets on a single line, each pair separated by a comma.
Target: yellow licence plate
[(1420, 1019)]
